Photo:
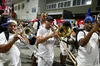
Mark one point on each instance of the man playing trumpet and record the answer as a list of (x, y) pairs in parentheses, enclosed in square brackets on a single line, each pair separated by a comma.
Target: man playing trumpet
[(7, 46), (88, 52)]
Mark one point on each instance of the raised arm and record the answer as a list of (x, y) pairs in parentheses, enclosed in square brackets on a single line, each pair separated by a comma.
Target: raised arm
[(85, 40), (5, 47)]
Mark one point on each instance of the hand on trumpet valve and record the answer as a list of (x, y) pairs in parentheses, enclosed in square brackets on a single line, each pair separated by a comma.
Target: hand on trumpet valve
[(16, 37), (95, 27), (18, 34)]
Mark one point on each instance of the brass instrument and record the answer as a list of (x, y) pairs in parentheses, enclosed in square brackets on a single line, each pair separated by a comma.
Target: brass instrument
[(73, 59)]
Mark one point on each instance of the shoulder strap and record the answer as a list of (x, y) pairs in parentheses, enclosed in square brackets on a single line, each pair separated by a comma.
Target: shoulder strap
[(84, 33), (6, 35), (76, 43), (38, 24)]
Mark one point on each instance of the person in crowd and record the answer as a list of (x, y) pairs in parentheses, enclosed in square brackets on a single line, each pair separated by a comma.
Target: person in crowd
[(64, 33), (36, 26), (88, 41), (40, 21), (7, 44), (46, 43)]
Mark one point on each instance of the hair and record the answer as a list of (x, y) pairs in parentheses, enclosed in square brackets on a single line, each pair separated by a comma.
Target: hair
[(67, 24), (43, 13)]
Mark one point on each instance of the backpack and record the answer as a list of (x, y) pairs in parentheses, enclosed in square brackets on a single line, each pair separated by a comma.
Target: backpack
[(37, 26)]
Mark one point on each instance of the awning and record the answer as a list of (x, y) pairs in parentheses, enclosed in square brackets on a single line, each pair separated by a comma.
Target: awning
[(55, 13)]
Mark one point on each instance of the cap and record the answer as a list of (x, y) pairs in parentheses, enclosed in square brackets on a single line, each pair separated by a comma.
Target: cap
[(81, 22), (88, 18), (8, 22), (49, 18)]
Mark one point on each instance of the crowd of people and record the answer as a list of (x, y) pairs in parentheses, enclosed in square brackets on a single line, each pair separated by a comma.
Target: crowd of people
[(84, 39)]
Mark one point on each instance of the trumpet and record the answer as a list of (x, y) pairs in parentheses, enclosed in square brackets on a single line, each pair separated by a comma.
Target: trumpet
[(72, 57)]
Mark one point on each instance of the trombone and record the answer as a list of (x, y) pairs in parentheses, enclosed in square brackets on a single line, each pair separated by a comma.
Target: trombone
[(72, 57)]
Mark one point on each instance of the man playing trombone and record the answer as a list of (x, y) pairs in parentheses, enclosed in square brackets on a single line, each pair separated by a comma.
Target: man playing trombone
[(46, 43), (64, 33), (7, 47)]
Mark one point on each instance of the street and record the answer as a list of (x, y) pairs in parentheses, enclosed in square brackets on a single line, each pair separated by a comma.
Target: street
[(27, 61)]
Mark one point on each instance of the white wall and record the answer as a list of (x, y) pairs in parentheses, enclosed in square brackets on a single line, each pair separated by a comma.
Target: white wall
[(42, 5), (22, 13)]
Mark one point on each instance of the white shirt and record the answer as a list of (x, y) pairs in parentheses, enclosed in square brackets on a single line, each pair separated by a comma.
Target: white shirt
[(46, 48), (13, 54), (89, 54), (35, 25)]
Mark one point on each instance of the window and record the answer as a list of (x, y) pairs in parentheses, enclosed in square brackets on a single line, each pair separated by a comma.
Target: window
[(18, 7), (60, 5), (50, 6), (74, 2), (54, 5), (83, 1), (15, 8), (22, 6), (98, 4), (78, 2), (33, 9), (65, 4), (47, 7), (69, 3)]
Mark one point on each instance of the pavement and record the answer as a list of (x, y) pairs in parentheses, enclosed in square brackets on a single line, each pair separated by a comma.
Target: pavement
[(26, 56)]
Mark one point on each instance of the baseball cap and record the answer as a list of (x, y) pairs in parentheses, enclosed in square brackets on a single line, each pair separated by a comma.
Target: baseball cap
[(49, 19), (8, 22), (81, 22)]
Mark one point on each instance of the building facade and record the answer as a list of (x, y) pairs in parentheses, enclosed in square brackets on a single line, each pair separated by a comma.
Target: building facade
[(28, 9)]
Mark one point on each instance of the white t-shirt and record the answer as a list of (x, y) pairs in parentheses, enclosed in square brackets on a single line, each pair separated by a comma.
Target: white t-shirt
[(89, 54), (46, 48), (13, 54), (35, 25)]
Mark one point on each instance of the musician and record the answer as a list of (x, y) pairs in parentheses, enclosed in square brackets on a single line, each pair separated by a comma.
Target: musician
[(46, 43), (88, 52), (40, 21), (36, 26), (64, 33), (7, 46)]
